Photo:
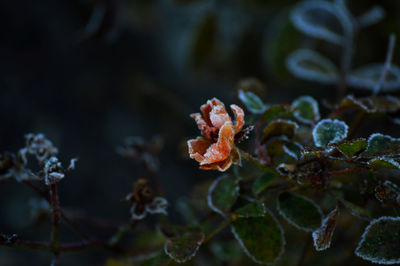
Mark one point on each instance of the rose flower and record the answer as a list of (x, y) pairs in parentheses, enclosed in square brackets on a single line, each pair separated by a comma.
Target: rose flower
[(215, 149)]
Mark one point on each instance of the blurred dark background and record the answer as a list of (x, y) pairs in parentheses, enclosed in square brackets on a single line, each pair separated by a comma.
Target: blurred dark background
[(89, 73)]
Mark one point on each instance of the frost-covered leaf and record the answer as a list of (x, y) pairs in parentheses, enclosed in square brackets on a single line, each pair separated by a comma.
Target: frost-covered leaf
[(260, 237), (384, 162), (223, 194), (322, 236), (350, 103), (380, 241), (387, 191), (158, 259), (329, 131), (368, 77), (293, 149), (313, 18), (279, 127), (183, 244), (353, 147), (252, 209), (306, 109), (263, 181), (299, 211), (275, 111), (379, 144), (309, 65), (252, 102)]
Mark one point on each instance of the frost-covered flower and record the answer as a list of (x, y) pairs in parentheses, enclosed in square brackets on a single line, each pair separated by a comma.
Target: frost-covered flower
[(39, 146), (54, 171), (215, 150), (144, 202)]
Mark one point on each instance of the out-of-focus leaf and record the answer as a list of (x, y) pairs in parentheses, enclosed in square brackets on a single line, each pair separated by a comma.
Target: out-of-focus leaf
[(299, 211), (306, 109), (226, 251), (368, 78), (252, 102), (263, 181), (275, 111), (313, 18), (372, 16), (353, 147), (159, 259), (381, 145), (329, 131), (222, 194), (323, 236), (309, 65), (387, 191), (356, 210), (386, 104), (380, 241), (252, 209), (279, 127), (350, 103), (260, 237), (384, 162), (183, 243)]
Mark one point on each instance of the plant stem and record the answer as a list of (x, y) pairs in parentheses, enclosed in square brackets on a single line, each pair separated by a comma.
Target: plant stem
[(56, 218), (218, 229), (386, 66)]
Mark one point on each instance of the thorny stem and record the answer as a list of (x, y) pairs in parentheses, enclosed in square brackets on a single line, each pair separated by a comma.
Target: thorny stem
[(386, 67), (56, 218)]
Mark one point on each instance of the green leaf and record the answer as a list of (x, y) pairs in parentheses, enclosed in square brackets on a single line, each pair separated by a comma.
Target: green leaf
[(275, 111), (222, 194), (329, 131), (306, 110), (159, 259), (322, 236), (384, 162), (380, 241), (299, 211), (260, 237), (226, 251), (184, 244), (253, 103), (279, 127), (309, 65), (352, 147), (252, 209), (356, 210), (263, 181), (379, 144)]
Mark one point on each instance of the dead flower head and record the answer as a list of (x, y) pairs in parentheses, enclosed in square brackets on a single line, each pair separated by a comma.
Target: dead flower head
[(215, 149)]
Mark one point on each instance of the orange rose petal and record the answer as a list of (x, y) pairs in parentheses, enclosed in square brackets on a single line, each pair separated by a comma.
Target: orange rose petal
[(205, 129), (197, 148), (218, 114), (220, 166), (220, 151), (239, 116), (205, 110)]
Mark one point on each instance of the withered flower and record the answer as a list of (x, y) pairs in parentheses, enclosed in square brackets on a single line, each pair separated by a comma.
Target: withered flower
[(143, 201), (215, 149)]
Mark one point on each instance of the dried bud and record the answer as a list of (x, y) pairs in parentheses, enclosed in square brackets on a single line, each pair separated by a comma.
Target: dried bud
[(54, 171), (39, 146)]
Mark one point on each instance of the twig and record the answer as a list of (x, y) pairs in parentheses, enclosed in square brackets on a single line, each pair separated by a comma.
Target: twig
[(386, 67), (56, 218)]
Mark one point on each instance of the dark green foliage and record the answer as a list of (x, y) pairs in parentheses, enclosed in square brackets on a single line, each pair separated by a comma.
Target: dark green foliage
[(261, 237), (279, 127), (253, 209), (300, 211), (352, 147), (263, 181), (223, 194), (380, 241)]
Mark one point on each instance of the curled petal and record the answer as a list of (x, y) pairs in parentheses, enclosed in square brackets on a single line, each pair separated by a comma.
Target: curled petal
[(239, 117), (205, 110), (221, 150), (218, 114), (205, 129), (220, 166), (197, 148)]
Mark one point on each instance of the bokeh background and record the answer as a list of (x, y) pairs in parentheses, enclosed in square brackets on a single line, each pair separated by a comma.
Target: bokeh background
[(89, 73)]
